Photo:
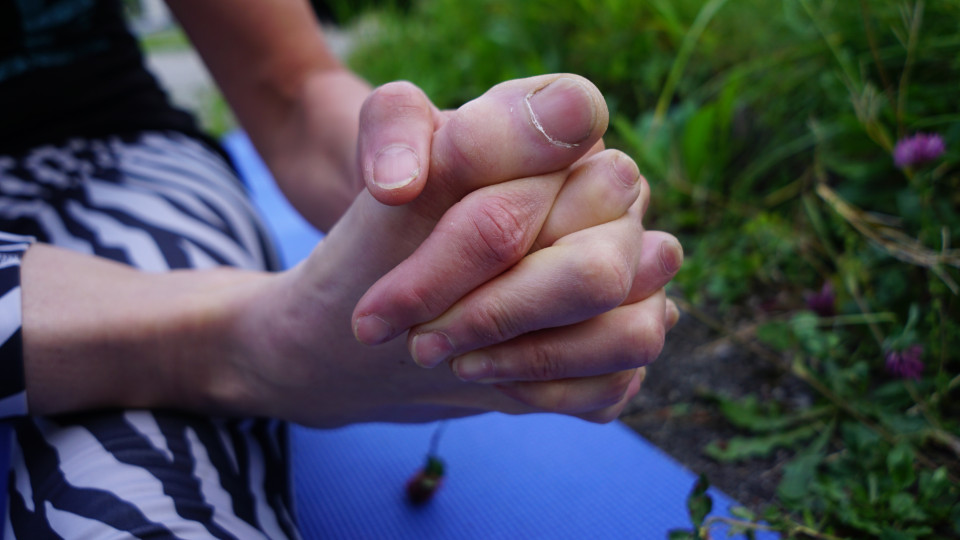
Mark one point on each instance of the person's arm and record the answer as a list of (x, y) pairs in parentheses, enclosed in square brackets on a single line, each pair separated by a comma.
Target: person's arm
[(97, 333), (299, 105)]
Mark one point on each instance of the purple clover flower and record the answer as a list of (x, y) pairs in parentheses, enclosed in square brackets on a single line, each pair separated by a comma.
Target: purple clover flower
[(822, 303), (917, 149), (906, 364)]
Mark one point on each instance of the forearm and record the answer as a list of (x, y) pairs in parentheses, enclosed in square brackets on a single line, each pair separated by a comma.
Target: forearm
[(294, 98), (313, 154), (101, 334)]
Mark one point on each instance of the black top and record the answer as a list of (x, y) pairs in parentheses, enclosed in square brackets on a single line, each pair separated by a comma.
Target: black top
[(71, 68)]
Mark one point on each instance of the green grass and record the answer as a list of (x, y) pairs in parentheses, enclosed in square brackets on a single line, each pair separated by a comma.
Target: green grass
[(766, 128)]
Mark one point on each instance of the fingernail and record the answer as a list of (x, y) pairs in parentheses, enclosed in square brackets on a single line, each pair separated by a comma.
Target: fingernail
[(395, 166), (626, 170), (431, 348), (473, 367), (563, 111), (372, 330), (671, 256)]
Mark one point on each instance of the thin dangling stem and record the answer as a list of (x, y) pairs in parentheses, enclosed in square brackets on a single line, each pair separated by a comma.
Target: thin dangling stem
[(425, 482), (435, 438)]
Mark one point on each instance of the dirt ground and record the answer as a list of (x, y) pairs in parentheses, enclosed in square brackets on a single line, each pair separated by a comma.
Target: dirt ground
[(674, 412)]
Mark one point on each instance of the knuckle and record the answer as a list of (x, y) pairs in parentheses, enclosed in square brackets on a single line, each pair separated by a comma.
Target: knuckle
[(544, 365), (492, 322), (498, 224), (461, 155), (419, 300), (606, 275), (395, 99)]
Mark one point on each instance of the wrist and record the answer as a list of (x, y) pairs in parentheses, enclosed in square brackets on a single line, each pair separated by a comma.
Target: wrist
[(202, 374), (289, 348)]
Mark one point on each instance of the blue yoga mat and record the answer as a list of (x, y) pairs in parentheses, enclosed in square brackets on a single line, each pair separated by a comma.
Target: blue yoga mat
[(508, 477), (527, 477)]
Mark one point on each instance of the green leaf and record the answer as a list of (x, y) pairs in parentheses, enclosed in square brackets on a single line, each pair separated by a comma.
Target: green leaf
[(892, 534), (800, 473), (902, 423), (740, 448), (698, 135), (900, 466), (934, 485), (776, 334), (805, 326), (748, 413), (797, 477), (699, 504), (858, 437), (677, 534), (743, 512), (904, 506)]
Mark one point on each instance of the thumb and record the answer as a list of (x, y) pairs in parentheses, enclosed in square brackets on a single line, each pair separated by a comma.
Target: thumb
[(397, 122)]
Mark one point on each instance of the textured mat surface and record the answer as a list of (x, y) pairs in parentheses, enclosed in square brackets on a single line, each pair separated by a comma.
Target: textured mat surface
[(528, 477)]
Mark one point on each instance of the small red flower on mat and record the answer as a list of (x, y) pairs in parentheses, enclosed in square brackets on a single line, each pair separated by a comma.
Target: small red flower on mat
[(423, 484)]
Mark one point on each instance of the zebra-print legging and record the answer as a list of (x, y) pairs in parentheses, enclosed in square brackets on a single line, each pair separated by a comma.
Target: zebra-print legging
[(157, 201)]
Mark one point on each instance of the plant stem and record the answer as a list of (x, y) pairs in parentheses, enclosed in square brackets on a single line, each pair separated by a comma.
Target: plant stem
[(954, 382), (848, 71), (908, 64), (795, 528), (922, 405), (850, 283), (871, 38), (683, 58), (435, 438), (859, 318), (946, 439)]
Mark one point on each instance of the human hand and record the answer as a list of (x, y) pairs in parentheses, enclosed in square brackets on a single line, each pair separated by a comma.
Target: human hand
[(536, 296), (490, 140)]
